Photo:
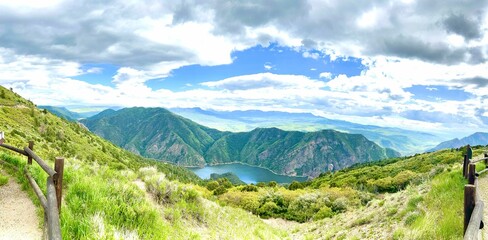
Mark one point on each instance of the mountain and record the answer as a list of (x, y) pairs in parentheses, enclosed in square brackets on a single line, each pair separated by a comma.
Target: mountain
[(479, 138), (62, 112), (155, 133), (65, 113), (405, 141), (160, 134)]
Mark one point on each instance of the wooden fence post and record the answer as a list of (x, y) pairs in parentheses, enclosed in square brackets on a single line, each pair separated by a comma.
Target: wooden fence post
[(465, 166), (471, 173), (1, 137), (469, 203), (486, 160), (31, 147), (58, 180)]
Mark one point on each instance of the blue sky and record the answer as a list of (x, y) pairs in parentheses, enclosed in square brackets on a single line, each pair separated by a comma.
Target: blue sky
[(418, 65), (273, 58)]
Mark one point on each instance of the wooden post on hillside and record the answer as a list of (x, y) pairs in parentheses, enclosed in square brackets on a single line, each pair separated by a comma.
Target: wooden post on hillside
[(471, 173), (486, 160), (469, 203), (31, 147), (58, 180), (465, 166), (1, 137)]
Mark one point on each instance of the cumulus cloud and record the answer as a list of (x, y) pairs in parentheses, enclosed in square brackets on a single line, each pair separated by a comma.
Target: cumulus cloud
[(44, 44), (469, 28)]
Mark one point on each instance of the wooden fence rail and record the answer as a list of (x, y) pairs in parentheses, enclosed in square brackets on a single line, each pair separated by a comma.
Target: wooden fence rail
[(473, 205), (51, 202)]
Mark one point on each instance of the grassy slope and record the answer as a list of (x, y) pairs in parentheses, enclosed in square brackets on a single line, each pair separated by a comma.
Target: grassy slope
[(101, 199), (418, 197)]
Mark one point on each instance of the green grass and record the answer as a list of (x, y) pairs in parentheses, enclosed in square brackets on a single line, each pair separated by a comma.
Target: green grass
[(3, 179), (443, 206)]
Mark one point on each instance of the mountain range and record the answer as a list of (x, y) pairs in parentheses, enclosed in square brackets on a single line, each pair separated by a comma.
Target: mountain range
[(479, 138), (160, 134), (65, 113), (405, 141)]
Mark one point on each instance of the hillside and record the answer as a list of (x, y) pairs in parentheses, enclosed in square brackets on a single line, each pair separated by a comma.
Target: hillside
[(160, 134), (111, 193), (405, 141), (479, 138)]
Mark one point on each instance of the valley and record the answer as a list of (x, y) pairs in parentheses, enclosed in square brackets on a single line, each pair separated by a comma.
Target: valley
[(159, 134)]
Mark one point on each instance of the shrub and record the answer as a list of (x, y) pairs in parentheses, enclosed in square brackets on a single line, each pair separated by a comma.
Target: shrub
[(272, 184), (324, 212), (295, 185), (220, 190), (340, 205), (269, 209), (249, 188), (212, 185)]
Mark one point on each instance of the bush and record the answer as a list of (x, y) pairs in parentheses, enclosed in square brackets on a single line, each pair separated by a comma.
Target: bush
[(249, 188), (212, 185), (295, 185), (220, 190), (340, 205), (272, 184), (269, 209), (324, 212)]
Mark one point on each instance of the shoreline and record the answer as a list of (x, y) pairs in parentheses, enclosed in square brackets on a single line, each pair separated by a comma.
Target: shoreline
[(246, 164)]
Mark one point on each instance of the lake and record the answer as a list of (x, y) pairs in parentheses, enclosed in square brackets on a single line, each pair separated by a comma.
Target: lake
[(246, 173)]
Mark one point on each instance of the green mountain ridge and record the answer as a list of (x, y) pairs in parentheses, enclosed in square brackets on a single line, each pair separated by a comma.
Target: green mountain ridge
[(407, 142), (160, 134)]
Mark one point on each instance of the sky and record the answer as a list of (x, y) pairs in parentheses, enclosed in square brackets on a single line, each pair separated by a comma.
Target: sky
[(419, 65)]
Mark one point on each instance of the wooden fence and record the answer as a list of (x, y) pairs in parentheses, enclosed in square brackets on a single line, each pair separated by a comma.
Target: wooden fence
[(473, 206), (52, 201)]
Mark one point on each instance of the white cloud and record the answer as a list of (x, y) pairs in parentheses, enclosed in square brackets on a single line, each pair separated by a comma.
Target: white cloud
[(312, 55), (326, 75), (268, 66), (401, 44), (266, 80)]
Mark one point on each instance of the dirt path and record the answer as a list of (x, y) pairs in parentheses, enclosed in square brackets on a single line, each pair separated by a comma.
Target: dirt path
[(18, 219)]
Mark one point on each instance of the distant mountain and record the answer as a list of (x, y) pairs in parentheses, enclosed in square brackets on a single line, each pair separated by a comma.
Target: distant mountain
[(479, 138), (62, 112), (65, 113), (405, 141), (160, 134)]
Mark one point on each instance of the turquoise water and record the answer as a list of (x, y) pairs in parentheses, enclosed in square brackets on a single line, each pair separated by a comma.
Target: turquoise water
[(246, 173)]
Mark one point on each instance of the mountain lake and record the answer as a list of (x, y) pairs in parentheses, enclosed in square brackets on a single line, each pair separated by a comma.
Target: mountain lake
[(248, 174)]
